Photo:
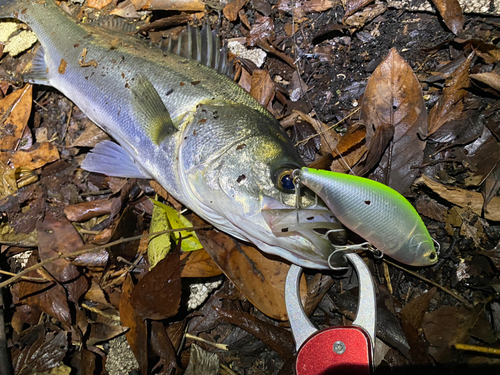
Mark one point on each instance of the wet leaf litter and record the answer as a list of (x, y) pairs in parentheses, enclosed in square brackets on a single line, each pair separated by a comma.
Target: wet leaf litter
[(446, 168)]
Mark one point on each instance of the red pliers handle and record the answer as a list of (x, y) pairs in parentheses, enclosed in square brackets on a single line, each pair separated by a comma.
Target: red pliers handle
[(334, 350)]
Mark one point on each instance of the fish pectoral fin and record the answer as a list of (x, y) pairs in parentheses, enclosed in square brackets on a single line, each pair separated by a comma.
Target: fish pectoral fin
[(112, 160), (151, 113), (39, 72)]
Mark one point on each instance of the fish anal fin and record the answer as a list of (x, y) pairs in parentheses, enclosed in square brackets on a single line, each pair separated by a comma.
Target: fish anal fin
[(39, 73), (152, 115), (112, 160)]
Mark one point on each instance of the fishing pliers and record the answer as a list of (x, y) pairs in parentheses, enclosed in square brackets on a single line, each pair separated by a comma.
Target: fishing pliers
[(338, 349)]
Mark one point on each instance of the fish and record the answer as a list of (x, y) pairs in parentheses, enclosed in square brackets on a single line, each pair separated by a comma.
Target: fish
[(374, 211), (178, 121)]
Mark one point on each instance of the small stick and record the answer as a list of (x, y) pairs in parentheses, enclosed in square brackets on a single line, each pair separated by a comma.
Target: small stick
[(217, 345), (450, 292), (227, 369), (40, 280), (387, 276), (479, 349), (100, 312), (13, 279), (5, 361)]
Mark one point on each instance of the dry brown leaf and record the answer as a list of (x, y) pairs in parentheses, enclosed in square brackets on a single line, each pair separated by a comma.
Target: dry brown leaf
[(91, 136), (450, 105), (163, 347), (179, 5), (411, 319), (37, 157), (125, 10), (297, 87), (87, 210), (262, 87), (354, 135), (15, 110), (260, 279), (329, 137), (350, 149), (245, 80), (393, 99), (49, 297), (262, 30), (491, 79), (157, 295), (39, 351), (359, 19), (59, 237), (98, 4), (352, 6), (464, 198), (231, 9), (452, 14), (447, 326), (137, 335), (199, 264)]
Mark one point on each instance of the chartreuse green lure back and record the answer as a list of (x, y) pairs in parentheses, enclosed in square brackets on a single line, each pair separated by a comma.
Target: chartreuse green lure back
[(379, 214)]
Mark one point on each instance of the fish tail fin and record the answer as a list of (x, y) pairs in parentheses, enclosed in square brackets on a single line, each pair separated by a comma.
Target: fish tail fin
[(8, 8)]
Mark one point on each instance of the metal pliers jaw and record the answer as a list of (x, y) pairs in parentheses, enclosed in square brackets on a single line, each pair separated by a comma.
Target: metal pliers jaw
[(339, 349)]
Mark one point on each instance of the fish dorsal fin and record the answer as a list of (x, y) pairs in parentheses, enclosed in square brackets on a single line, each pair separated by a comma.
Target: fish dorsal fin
[(116, 24), (151, 113), (112, 160), (202, 45)]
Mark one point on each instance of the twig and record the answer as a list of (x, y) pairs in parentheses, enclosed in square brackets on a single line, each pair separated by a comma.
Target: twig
[(5, 362), (217, 345), (479, 349), (227, 369), (40, 280), (74, 254), (100, 312), (450, 292)]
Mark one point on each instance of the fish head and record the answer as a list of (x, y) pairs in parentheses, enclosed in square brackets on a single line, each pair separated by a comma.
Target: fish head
[(418, 251), (240, 181)]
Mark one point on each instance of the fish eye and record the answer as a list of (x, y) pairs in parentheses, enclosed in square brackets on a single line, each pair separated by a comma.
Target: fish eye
[(286, 181), (283, 179)]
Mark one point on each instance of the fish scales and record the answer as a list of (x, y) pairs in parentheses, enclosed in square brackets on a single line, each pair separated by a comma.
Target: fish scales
[(202, 137)]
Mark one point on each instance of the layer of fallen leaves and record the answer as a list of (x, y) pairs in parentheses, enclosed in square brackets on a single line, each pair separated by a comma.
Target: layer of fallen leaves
[(427, 130)]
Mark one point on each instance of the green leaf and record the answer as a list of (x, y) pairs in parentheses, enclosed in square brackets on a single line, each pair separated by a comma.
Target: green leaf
[(159, 246), (190, 241)]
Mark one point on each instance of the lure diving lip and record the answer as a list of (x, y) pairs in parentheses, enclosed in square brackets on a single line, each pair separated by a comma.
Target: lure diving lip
[(379, 214)]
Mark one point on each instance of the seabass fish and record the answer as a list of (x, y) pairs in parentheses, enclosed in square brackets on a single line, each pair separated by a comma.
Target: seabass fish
[(197, 133)]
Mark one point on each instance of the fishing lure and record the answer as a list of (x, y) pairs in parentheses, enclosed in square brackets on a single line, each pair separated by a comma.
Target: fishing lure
[(379, 214)]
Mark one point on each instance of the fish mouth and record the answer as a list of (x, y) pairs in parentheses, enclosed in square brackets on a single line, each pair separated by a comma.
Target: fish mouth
[(316, 224)]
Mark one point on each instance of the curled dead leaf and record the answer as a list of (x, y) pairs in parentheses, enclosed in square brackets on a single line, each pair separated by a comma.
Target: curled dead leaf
[(450, 105), (464, 198), (452, 14), (231, 9)]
